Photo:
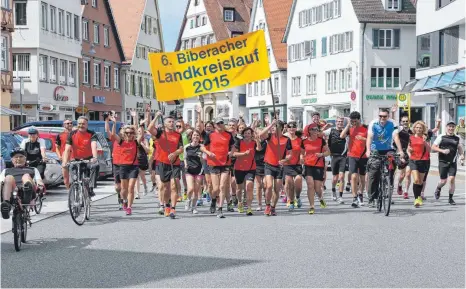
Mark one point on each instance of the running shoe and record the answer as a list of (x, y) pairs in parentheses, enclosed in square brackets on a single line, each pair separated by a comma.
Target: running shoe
[(185, 196), (230, 207), (451, 201), (5, 208), (405, 196), (195, 211), (295, 202), (355, 203), (273, 212), (125, 205), (323, 204), (348, 187), (291, 207), (420, 200), (187, 206), (161, 210), (416, 203), (437, 194), (249, 212), (334, 195), (288, 203), (284, 199), (180, 199), (361, 200), (91, 192), (299, 204), (199, 203), (172, 214), (234, 199), (208, 198), (220, 213), (400, 190), (137, 196), (212, 208), (167, 211), (240, 208), (152, 189), (268, 210), (258, 209), (311, 211), (340, 201), (128, 211)]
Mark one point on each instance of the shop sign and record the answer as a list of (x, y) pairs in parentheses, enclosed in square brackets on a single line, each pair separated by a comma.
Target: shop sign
[(79, 109), (15, 106), (99, 99), (308, 100), (261, 102), (58, 94), (46, 107), (29, 106), (381, 97)]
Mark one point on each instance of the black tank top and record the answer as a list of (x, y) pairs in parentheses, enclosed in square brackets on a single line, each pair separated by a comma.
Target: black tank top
[(336, 144), (33, 151)]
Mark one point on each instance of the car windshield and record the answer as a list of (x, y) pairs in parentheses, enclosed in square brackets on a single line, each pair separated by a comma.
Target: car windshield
[(8, 144)]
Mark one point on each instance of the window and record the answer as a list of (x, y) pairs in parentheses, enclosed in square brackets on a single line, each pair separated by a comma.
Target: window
[(76, 27), (68, 25), (412, 73), (198, 20), (349, 78), (394, 5), (268, 54), (386, 38), (443, 3), (53, 19), (53, 69), (72, 73), (185, 44), (191, 23), (107, 76), (324, 46), (385, 78), (43, 18), (96, 74), (138, 51), (229, 15), (96, 33), (63, 71), (311, 84), (61, 22), (21, 65), (438, 48), (140, 86), (203, 40), (94, 3), (193, 42), (116, 78), (448, 41), (4, 53), (331, 81), (86, 71), (296, 86), (196, 2), (6, 4), (256, 88), (211, 39), (85, 30), (106, 37), (250, 89), (20, 13), (348, 41), (276, 85), (128, 84), (342, 80), (262, 87), (337, 7), (204, 20)]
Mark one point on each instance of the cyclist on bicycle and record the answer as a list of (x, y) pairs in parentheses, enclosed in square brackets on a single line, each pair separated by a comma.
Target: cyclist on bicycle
[(381, 134), (19, 175), (35, 150), (83, 143)]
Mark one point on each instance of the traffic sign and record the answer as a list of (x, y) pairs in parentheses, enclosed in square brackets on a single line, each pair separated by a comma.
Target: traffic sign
[(404, 99), (353, 96)]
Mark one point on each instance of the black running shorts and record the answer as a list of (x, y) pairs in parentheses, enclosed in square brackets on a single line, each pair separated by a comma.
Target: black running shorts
[(293, 170), (317, 173), (357, 165), (338, 164), (446, 169), (168, 172), (129, 172), (219, 170), (241, 176), (420, 166), (274, 171)]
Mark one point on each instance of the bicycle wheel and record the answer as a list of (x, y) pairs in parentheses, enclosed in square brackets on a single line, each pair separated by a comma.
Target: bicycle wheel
[(76, 204), (38, 206), (17, 230), (24, 227), (387, 196), (87, 197), (379, 198)]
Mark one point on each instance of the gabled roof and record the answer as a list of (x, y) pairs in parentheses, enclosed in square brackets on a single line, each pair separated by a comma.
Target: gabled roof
[(372, 11), (128, 18), (222, 30)]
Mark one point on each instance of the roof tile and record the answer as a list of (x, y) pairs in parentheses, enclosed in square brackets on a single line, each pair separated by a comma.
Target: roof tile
[(372, 11)]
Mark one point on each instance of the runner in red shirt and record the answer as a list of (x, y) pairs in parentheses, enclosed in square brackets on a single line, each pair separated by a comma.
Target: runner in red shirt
[(418, 159), (116, 153), (357, 159), (217, 146), (293, 170), (171, 146), (83, 143), (277, 154), (245, 167), (314, 150), (60, 144)]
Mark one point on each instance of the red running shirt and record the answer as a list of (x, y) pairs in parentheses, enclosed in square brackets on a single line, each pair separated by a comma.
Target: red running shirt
[(116, 152), (311, 148), (245, 163), (81, 143), (295, 151), (418, 144), (168, 145), (357, 148), (272, 155), (128, 153), (219, 143)]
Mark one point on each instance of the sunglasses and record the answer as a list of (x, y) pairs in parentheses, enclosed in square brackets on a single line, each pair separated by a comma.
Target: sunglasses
[(220, 122), (404, 121), (383, 116), (314, 129), (178, 126), (129, 132), (68, 123), (291, 126)]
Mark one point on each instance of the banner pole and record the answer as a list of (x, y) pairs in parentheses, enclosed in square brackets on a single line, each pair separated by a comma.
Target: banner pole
[(274, 115)]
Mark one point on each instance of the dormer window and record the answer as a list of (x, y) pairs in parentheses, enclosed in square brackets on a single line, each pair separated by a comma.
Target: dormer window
[(228, 14), (236, 33), (393, 5)]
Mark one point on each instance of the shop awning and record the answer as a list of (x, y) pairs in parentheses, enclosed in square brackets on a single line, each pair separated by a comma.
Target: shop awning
[(449, 82), (7, 111)]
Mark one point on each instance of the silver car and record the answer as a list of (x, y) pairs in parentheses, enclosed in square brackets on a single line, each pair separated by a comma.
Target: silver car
[(53, 173)]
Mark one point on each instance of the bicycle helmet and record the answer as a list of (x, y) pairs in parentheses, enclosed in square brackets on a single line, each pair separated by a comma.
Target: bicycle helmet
[(17, 151), (32, 130)]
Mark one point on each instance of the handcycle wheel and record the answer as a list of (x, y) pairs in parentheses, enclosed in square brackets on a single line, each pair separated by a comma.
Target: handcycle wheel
[(77, 204), (38, 206), (387, 197), (24, 227), (17, 220)]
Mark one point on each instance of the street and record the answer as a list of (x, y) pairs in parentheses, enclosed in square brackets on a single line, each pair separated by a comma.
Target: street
[(337, 247)]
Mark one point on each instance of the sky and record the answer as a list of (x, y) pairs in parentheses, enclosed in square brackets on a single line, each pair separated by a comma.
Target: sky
[(171, 14)]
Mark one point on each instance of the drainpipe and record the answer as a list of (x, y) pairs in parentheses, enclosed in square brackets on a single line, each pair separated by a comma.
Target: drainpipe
[(361, 65)]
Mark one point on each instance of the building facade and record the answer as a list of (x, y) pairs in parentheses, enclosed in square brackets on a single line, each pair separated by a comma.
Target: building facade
[(271, 16), (46, 53), (141, 33), (6, 120), (100, 68), (357, 57), (205, 22)]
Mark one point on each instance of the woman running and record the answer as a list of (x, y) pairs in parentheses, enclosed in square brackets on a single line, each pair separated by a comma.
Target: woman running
[(418, 159), (143, 160), (194, 170), (293, 170), (116, 160), (245, 167), (209, 127), (259, 179), (314, 151)]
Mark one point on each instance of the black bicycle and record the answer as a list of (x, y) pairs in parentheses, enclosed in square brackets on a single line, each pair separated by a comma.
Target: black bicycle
[(79, 200), (385, 188), (20, 218), (39, 201)]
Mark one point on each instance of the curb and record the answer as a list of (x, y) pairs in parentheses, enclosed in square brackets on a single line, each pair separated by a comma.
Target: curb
[(59, 213)]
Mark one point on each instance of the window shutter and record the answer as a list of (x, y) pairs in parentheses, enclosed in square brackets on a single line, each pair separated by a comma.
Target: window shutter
[(397, 37), (375, 38), (314, 48), (289, 53), (324, 46), (351, 40)]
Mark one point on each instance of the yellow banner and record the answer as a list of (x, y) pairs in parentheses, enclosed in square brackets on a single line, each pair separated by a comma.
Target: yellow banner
[(214, 67)]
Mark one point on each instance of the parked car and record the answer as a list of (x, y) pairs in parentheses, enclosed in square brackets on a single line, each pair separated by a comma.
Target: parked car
[(8, 143)]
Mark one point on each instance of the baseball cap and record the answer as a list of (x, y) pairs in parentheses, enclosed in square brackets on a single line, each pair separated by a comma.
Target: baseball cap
[(32, 130), (218, 120), (451, 123)]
